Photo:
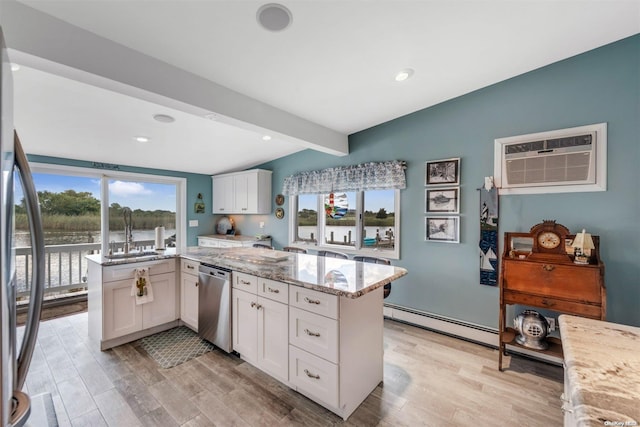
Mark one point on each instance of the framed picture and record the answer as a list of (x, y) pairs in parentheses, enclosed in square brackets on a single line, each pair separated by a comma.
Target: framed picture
[(198, 207), (443, 172), (442, 200), (442, 229)]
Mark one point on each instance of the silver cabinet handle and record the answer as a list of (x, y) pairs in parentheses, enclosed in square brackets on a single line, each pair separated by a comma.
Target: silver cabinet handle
[(275, 291), (312, 301), (313, 334), (310, 375), (244, 282)]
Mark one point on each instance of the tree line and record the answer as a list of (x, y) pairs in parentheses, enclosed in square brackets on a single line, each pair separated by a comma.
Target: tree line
[(71, 210), (381, 218)]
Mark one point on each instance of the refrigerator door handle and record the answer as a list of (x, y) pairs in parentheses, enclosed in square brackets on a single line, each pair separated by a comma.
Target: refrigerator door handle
[(37, 266)]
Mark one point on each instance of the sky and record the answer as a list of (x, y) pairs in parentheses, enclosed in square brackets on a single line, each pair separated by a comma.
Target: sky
[(134, 194)]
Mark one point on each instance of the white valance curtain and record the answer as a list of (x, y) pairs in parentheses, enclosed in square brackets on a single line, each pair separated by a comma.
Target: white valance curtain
[(366, 176)]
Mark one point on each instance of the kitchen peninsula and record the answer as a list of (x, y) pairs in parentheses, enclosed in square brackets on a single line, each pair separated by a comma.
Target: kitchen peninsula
[(313, 323)]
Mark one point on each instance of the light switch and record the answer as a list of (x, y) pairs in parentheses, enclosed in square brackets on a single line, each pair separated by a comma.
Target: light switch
[(193, 223)]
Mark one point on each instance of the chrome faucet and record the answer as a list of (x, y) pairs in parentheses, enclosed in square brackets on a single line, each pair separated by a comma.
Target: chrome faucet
[(128, 230)]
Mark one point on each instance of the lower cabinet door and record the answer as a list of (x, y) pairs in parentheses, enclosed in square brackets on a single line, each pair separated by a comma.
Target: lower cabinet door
[(273, 339), (314, 376), (163, 307), (120, 314), (245, 325), (189, 299)]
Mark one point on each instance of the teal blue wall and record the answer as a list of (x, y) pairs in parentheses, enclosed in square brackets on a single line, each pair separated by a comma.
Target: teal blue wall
[(196, 183), (602, 85)]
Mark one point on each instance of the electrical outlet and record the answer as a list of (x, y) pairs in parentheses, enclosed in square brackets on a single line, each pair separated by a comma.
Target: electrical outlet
[(261, 224), (552, 323)]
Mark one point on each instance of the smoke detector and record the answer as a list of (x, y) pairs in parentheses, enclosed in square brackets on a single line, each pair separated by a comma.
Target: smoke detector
[(274, 17)]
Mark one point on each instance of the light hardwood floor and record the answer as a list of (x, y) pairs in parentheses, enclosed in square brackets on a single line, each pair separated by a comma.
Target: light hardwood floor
[(429, 380)]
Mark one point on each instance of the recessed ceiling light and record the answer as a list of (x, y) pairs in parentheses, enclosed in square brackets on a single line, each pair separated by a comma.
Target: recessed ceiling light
[(15, 67), (274, 17), (142, 139), (164, 118), (266, 138), (404, 74)]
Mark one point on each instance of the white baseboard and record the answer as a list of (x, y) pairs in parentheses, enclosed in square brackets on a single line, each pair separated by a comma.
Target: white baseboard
[(458, 328), (447, 325)]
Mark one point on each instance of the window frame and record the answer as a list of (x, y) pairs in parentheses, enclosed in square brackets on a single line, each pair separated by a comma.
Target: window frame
[(359, 248), (106, 175)]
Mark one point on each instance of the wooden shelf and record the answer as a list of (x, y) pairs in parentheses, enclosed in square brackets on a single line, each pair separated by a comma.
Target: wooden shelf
[(555, 345)]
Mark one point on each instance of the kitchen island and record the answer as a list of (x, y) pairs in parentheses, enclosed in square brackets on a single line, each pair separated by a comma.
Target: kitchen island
[(313, 323), (602, 372)]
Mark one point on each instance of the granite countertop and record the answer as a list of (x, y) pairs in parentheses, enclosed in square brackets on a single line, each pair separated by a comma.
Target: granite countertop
[(602, 362), (331, 275)]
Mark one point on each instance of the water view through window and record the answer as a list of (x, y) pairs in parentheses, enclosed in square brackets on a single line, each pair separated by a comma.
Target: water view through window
[(71, 217), (341, 224), (151, 205)]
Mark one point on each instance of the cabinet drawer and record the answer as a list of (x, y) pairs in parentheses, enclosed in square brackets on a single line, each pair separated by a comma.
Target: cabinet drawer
[(230, 244), (578, 283), (277, 291), (571, 307), (208, 243), (245, 282), (314, 333), (313, 376), (314, 301), (189, 267), (126, 271)]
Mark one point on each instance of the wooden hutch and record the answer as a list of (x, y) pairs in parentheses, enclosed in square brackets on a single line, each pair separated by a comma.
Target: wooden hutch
[(538, 270)]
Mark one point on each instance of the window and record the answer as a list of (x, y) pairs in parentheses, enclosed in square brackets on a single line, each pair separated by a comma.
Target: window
[(151, 205), (76, 204), (349, 221)]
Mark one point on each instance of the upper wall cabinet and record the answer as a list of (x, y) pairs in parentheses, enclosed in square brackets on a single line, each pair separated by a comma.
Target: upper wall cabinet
[(247, 192)]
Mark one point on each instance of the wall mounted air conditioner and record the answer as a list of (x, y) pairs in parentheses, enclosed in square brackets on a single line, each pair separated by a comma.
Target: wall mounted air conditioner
[(566, 160)]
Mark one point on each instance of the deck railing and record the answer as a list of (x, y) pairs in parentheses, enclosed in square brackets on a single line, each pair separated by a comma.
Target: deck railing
[(65, 267)]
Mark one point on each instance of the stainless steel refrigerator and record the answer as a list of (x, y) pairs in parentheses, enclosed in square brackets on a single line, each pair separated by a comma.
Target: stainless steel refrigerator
[(15, 406)]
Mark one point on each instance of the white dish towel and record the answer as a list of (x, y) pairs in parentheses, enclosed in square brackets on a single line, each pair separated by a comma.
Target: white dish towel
[(141, 284)]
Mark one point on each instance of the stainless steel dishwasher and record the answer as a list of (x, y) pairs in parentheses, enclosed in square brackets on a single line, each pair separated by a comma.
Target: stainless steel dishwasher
[(214, 306)]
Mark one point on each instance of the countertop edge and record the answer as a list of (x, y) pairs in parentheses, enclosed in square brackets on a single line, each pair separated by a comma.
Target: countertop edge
[(398, 272)]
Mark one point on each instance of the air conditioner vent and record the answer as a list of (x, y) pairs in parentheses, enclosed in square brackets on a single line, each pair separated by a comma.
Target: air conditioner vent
[(565, 160), (548, 144)]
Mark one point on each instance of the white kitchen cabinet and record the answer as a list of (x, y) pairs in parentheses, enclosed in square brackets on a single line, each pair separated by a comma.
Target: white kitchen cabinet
[(121, 314), (223, 188), (163, 308), (335, 347), (247, 192), (189, 293), (114, 316), (260, 324), (245, 325), (212, 241)]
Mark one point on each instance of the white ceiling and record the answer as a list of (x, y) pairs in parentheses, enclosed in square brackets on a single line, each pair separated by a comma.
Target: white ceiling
[(333, 67)]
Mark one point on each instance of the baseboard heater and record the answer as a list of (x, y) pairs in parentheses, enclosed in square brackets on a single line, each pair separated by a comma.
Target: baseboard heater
[(457, 328)]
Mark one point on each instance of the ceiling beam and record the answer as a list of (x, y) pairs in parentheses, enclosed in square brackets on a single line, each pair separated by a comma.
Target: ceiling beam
[(40, 41)]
